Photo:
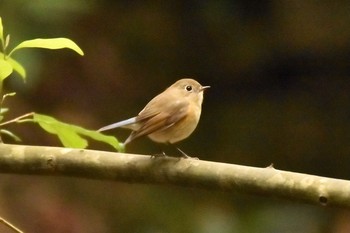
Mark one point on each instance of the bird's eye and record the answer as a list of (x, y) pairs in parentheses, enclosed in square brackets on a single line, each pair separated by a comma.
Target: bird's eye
[(188, 88)]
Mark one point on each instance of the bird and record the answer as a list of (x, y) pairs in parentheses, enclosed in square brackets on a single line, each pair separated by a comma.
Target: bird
[(168, 118)]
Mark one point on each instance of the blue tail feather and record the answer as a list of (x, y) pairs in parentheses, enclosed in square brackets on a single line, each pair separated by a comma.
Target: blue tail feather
[(119, 124)]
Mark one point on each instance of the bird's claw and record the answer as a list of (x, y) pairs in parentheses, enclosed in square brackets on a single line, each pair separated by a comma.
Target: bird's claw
[(161, 155)]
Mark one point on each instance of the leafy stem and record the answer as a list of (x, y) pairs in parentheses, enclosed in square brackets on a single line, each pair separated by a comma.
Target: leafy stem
[(70, 135), (20, 119)]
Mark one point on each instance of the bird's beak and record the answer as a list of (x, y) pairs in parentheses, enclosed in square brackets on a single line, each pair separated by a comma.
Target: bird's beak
[(203, 88)]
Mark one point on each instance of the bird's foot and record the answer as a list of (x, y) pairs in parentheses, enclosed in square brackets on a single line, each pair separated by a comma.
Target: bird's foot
[(160, 155)]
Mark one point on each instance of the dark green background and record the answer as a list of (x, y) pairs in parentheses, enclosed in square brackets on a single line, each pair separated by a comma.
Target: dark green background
[(279, 72)]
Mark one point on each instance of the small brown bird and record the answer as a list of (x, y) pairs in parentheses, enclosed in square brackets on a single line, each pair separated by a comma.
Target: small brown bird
[(169, 117)]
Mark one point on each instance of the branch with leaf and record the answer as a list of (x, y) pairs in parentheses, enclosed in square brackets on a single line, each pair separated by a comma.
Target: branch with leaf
[(70, 135)]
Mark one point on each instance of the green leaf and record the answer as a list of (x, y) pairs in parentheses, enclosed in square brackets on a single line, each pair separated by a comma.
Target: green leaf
[(16, 66), (3, 111), (7, 41), (10, 134), (1, 31), (51, 43), (5, 69), (70, 135), (8, 95)]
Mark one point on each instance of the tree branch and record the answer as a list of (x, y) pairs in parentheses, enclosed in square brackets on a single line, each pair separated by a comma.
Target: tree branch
[(134, 168), (9, 225)]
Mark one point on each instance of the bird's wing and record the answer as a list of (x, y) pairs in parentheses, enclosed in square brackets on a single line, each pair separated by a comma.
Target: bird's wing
[(151, 121)]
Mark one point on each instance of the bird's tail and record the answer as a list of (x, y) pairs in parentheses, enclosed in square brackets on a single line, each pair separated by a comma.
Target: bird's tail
[(124, 123)]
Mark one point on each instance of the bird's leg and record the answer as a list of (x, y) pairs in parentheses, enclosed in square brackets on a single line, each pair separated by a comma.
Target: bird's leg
[(159, 155), (184, 155)]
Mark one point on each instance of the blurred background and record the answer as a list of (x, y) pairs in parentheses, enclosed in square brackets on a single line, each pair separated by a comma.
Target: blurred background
[(280, 93)]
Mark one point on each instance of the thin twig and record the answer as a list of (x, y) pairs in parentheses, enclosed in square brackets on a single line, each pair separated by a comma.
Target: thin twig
[(11, 226), (18, 119)]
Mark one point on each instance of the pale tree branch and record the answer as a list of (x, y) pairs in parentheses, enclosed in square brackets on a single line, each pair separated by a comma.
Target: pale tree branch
[(10, 225), (19, 159)]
